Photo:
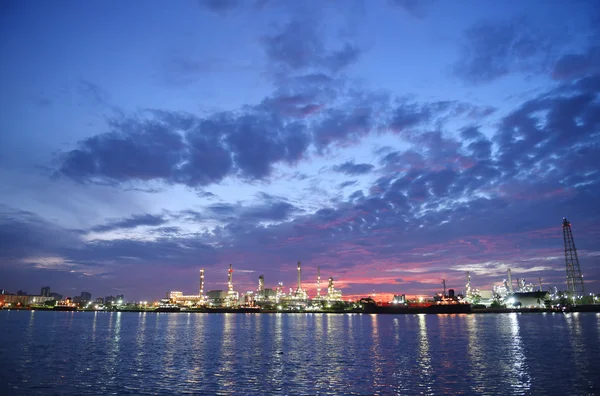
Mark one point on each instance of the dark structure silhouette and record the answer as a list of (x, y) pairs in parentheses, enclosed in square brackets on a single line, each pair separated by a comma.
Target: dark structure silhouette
[(574, 277)]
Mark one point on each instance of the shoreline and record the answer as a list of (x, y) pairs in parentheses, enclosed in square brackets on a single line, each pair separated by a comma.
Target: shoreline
[(373, 311)]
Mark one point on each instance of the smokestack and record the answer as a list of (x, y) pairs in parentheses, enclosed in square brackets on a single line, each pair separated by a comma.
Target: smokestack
[(201, 282), (510, 282), (261, 285), (318, 282), (540, 279), (299, 277), (468, 284), (230, 279)]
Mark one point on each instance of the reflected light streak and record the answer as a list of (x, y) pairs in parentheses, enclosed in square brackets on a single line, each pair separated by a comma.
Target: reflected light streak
[(170, 343), (424, 359), (94, 326), (140, 338), (477, 361), (227, 355), (521, 380)]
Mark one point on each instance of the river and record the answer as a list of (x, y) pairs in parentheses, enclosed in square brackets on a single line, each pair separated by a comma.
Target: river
[(101, 353)]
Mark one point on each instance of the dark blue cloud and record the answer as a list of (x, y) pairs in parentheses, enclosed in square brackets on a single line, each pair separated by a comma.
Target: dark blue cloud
[(577, 65), (134, 150), (348, 183), (220, 6), (491, 50), (131, 222), (214, 148), (298, 45), (350, 168), (343, 127), (416, 8)]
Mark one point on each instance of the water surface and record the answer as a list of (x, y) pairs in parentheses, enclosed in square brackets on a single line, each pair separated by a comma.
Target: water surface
[(77, 353)]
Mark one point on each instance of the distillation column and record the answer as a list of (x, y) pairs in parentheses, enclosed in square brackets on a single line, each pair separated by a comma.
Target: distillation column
[(230, 280), (299, 289), (510, 282), (201, 283), (318, 282)]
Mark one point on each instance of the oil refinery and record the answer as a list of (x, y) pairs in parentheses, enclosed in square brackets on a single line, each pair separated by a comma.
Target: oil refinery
[(296, 298)]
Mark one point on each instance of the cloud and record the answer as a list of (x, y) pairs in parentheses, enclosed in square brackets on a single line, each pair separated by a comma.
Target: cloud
[(484, 198), (577, 65), (134, 150), (416, 8), (343, 127), (92, 93), (493, 50), (131, 222), (350, 168), (221, 7), (183, 149), (348, 183), (299, 45), (23, 234)]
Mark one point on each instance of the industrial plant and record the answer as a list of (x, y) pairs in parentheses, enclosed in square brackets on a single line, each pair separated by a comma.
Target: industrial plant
[(296, 298), (511, 294), (529, 295)]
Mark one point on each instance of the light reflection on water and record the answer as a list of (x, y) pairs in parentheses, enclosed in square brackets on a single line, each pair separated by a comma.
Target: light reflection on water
[(148, 353)]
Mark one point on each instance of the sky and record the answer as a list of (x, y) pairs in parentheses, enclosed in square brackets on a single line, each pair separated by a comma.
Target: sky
[(390, 143)]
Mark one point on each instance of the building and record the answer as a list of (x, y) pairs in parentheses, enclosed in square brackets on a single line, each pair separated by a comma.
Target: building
[(177, 297), (45, 291), (13, 300), (39, 300), (534, 299), (85, 296), (332, 293), (216, 298), (232, 296), (56, 296)]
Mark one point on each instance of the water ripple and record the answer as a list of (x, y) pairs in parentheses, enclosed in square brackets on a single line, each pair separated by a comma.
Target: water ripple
[(75, 353)]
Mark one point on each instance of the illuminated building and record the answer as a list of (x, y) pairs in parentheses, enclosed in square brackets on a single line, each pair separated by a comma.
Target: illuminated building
[(175, 295), (232, 296), (332, 293), (270, 294), (279, 294), (22, 300), (261, 287), (533, 299), (300, 293), (216, 298), (399, 299), (249, 298)]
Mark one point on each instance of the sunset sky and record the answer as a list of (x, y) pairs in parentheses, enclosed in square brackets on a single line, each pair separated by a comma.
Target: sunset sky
[(393, 143)]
